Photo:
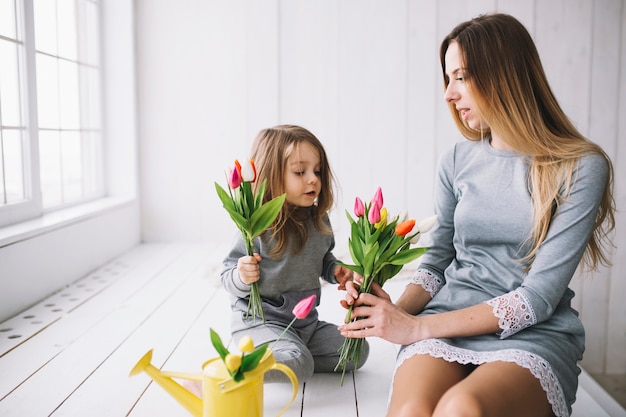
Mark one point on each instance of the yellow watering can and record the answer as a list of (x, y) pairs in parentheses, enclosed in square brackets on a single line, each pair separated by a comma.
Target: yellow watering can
[(221, 395)]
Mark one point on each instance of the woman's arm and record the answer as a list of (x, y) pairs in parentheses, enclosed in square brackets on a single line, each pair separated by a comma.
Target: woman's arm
[(381, 318), (413, 299)]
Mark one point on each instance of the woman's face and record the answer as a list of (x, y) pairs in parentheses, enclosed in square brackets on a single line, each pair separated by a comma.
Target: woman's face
[(302, 176), (457, 92)]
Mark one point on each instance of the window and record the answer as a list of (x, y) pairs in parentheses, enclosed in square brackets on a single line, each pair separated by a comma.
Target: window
[(50, 125)]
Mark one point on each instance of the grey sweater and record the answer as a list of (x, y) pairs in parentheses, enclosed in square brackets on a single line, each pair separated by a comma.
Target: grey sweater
[(284, 281)]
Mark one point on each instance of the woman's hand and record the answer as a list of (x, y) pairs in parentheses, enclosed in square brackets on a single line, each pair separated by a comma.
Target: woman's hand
[(378, 316), (248, 268)]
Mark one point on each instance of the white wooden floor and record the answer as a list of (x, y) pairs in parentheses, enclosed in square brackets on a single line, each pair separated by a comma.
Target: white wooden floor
[(70, 355)]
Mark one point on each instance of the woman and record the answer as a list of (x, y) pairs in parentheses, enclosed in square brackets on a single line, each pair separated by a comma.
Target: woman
[(486, 324)]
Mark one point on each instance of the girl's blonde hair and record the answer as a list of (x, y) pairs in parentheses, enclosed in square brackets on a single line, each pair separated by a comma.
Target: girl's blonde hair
[(270, 151), (503, 69)]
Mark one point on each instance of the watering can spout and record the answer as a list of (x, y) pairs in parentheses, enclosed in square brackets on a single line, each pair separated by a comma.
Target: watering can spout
[(187, 399)]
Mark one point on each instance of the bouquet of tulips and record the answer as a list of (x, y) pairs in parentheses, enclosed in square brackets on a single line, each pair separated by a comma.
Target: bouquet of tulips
[(379, 249), (250, 357), (250, 214)]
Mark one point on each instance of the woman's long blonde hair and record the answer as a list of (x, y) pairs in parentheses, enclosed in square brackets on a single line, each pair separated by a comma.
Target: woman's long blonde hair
[(503, 69), (270, 152)]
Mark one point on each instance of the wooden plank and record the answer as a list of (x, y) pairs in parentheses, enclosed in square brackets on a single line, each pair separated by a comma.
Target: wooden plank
[(77, 360), (17, 365), (171, 312), (593, 401), (373, 381), (162, 330)]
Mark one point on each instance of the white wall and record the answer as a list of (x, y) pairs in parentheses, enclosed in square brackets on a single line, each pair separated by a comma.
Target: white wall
[(363, 75)]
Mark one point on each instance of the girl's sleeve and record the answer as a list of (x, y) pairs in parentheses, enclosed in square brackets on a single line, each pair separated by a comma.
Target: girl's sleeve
[(229, 275), (430, 273), (329, 262), (559, 255)]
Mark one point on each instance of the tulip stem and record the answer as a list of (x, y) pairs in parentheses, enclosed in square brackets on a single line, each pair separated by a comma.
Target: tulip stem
[(284, 331)]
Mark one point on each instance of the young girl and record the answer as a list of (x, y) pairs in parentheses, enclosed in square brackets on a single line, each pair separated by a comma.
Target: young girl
[(487, 324), (291, 256)]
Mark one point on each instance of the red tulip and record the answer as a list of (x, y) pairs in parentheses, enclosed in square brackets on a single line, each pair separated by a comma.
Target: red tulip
[(304, 307)]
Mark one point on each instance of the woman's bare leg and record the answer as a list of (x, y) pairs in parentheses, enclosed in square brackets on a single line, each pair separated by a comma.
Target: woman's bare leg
[(493, 390), (420, 382), (427, 386)]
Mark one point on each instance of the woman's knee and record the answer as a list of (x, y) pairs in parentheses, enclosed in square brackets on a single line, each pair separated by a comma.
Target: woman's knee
[(456, 403)]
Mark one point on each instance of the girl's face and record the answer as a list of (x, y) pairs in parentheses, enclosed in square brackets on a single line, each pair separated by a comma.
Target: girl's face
[(302, 176), (457, 92)]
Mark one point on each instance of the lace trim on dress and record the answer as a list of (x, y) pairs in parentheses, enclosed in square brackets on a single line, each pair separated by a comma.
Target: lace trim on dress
[(513, 311), (537, 365), (427, 280)]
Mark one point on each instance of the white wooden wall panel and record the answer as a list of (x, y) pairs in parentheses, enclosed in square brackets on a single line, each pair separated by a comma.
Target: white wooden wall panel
[(423, 97), (364, 76), (372, 85), (262, 68), (616, 318)]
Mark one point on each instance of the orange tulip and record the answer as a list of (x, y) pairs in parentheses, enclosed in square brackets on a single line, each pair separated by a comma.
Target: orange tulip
[(405, 227)]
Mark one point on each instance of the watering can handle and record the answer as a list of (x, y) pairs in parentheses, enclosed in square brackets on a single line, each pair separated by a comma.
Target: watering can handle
[(294, 383)]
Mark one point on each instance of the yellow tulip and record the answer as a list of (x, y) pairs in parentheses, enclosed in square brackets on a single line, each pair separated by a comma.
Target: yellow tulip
[(232, 362), (246, 345)]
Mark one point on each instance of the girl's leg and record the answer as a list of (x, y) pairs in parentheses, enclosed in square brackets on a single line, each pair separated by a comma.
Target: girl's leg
[(496, 389), (420, 382), (290, 350)]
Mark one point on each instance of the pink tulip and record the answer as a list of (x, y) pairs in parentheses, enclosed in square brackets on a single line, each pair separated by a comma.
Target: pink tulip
[(304, 306), (378, 197), (234, 177), (359, 207), (374, 214)]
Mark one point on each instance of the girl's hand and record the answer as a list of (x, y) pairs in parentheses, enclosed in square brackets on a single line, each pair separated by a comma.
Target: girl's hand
[(248, 268), (352, 290), (342, 275), (378, 316)]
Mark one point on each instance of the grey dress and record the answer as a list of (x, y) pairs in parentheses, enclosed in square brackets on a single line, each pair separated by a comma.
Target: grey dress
[(484, 217)]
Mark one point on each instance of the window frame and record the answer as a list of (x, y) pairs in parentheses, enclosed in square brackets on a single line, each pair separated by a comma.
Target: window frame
[(32, 207)]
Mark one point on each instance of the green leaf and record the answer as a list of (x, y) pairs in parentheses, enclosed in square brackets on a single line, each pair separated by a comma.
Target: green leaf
[(349, 216), (356, 250), (406, 256), (227, 201), (265, 215), (387, 272), (241, 222), (356, 268), (393, 245), (368, 259), (251, 361), (248, 199), (218, 345), (260, 194)]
